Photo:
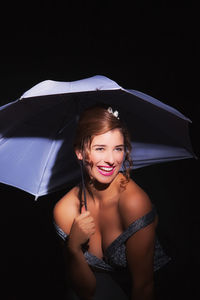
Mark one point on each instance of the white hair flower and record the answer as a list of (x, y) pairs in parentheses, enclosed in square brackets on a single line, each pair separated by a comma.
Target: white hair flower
[(114, 113)]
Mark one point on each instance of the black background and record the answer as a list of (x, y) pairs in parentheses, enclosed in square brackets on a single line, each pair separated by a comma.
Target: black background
[(151, 47)]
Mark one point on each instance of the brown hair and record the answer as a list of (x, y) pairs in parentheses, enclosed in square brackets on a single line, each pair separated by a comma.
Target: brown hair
[(98, 120)]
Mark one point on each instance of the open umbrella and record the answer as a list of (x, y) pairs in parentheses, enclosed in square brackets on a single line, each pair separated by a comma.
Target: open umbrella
[(37, 131)]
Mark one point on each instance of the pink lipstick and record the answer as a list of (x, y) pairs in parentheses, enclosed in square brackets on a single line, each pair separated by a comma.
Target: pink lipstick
[(106, 170)]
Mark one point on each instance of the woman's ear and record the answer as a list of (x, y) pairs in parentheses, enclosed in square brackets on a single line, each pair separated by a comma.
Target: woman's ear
[(79, 154)]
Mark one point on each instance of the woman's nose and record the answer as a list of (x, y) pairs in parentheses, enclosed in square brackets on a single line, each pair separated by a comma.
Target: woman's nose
[(109, 158)]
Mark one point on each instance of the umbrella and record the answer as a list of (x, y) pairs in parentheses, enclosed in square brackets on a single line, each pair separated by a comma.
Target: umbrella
[(37, 131)]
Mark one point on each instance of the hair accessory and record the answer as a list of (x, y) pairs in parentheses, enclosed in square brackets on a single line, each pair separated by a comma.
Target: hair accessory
[(114, 113)]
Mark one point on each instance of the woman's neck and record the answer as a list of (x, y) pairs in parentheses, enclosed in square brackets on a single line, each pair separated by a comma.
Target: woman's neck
[(100, 190)]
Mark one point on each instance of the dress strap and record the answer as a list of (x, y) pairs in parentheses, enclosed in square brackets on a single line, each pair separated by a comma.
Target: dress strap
[(60, 232), (132, 228)]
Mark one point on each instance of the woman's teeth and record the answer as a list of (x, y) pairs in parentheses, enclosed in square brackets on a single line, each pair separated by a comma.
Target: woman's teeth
[(107, 169)]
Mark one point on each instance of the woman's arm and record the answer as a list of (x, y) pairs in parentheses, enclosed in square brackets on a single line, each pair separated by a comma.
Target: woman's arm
[(140, 253), (81, 277), (140, 246), (79, 229)]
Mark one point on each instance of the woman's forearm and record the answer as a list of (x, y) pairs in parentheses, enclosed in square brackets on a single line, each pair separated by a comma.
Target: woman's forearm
[(145, 292), (81, 276)]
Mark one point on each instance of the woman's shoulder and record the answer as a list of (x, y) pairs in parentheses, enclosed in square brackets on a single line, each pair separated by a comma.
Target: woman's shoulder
[(66, 209), (134, 202)]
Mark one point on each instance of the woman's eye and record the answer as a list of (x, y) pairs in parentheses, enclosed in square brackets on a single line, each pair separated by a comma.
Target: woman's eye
[(99, 149), (120, 149)]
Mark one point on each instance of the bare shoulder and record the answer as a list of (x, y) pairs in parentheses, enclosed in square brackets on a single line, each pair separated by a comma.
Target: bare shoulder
[(66, 209), (133, 203)]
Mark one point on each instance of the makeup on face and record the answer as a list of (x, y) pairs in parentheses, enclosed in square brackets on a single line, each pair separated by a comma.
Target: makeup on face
[(106, 155), (106, 170)]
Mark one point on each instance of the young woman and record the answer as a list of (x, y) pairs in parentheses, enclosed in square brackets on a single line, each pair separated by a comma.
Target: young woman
[(111, 249)]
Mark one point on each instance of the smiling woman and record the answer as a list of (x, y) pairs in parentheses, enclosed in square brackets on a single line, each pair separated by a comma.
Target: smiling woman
[(111, 250), (106, 155), (90, 138)]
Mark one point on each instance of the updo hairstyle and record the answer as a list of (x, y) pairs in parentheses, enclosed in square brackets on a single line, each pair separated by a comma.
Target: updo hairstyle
[(98, 120)]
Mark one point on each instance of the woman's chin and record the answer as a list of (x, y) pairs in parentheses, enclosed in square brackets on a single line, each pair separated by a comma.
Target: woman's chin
[(103, 180)]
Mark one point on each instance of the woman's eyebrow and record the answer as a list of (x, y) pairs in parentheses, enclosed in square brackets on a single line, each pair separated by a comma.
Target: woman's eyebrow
[(101, 145), (98, 145)]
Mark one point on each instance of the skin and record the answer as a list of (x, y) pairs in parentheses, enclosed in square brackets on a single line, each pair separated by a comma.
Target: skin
[(110, 211)]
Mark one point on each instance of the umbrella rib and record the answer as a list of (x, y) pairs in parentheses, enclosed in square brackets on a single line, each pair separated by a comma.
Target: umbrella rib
[(162, 160), (44, 169), (49, 155), (157, 103)]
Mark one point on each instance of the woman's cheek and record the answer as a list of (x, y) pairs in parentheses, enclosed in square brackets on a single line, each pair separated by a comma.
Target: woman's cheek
[(120, 158)]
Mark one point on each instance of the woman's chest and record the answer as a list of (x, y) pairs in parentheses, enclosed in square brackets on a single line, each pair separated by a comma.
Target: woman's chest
[(107, 227)]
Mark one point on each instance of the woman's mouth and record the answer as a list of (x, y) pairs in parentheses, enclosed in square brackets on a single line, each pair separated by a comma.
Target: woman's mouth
[(106, 170)]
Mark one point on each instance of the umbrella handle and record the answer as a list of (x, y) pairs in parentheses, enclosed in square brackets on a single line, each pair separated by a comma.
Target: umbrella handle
[(84, 246), (83, 185)]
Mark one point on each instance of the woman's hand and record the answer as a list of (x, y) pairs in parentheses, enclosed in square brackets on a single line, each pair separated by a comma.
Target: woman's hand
[(82, 229)]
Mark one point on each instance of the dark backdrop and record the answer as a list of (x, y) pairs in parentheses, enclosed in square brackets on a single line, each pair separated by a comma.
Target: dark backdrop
[(151, 47)]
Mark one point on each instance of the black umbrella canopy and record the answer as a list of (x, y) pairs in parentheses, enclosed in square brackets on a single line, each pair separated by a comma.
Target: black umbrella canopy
[(38, 131)]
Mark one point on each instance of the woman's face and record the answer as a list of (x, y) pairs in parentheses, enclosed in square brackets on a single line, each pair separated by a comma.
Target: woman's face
[(106, 156)]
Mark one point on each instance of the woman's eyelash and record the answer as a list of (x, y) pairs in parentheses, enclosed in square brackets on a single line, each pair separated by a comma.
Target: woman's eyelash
[(102, 148)]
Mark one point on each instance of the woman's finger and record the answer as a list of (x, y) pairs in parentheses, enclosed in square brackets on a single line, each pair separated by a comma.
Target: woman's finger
[(83, 209)]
